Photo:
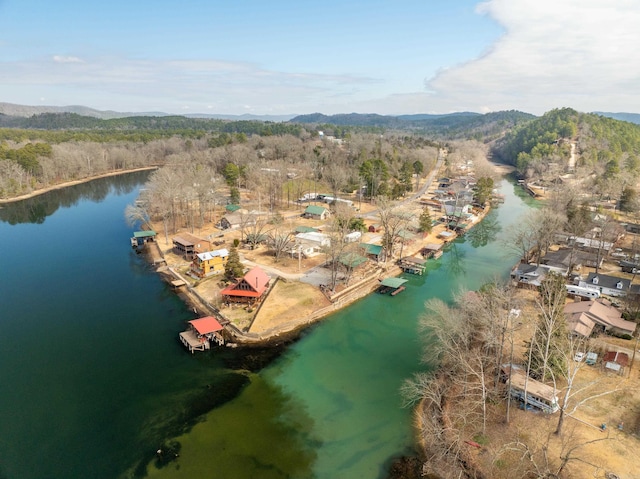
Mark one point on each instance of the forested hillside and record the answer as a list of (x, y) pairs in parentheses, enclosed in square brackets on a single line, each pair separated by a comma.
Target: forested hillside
[(452, 126), (600, 142)]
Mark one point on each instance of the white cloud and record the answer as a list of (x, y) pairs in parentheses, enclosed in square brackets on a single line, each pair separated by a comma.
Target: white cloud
[(554, 53), (62, 59), (184, 84)]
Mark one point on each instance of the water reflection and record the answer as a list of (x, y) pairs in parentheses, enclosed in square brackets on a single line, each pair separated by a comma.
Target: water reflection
[(37, 209), (484, 232)]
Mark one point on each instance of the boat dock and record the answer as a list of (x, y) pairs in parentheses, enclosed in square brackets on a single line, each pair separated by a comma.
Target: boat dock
[(201, 333), (413, 265), (392, 285), (432, 250)]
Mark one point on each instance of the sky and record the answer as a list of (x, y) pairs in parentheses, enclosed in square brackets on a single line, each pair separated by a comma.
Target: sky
[(281, 57)]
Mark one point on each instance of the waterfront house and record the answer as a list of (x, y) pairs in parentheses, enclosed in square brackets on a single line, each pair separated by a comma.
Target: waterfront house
[(249, 289), (607, 285), (529, 275), (209, 262), (188, 245), (597, 315), (565, 258), (315, 212)]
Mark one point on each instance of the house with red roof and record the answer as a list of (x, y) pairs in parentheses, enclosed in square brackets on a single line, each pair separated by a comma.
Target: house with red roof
[(201, 333), (249, 289)]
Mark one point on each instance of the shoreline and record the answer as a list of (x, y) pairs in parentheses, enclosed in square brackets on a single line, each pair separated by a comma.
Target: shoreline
[(291, 329), (67, 184)]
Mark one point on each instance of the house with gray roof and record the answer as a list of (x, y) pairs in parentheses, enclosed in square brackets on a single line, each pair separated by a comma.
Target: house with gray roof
[(607, 285), (529, 274)]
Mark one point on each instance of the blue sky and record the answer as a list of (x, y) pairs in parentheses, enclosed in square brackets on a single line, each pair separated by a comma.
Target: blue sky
[(282, 57)]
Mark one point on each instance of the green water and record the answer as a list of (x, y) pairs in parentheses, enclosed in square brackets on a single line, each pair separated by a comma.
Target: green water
[(330, 406), (93, 379)]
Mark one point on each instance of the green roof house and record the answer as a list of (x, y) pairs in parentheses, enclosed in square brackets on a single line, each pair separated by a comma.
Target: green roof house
[(316, 212)]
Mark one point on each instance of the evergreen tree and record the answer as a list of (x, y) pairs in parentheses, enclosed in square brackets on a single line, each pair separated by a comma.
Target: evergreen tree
[(484, 190), (425, 222), (629, 200), (234, 268)]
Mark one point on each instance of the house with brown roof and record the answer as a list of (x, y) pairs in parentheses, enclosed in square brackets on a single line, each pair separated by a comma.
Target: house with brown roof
[(587, 317), (250, 289), (188, 245)]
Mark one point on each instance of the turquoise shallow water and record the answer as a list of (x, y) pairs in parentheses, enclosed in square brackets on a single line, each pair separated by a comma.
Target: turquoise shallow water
[(93, 379)]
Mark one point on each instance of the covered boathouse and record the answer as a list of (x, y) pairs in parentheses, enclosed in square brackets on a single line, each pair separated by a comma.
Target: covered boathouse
[(140, 238), (201, 333), (393, 285), (413, 265)]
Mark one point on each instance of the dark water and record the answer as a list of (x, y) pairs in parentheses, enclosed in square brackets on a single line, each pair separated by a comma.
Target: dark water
[(93, 379)]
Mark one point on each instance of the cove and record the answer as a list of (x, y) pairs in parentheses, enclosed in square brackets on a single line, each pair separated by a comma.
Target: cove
[(93, 378), (330, 406)]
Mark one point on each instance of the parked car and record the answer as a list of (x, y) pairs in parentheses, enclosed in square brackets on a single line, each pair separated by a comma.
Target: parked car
[(579, 356), (591, 358)]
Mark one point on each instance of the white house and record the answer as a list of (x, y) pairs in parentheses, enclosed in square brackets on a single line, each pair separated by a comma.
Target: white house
[(607, 285), (312, 243)]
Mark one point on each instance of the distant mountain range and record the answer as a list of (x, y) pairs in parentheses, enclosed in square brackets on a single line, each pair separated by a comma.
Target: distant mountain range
[(11, 109), (630, 117), (428, 121)]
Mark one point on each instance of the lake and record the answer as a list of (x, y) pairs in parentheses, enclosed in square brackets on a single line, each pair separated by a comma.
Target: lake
[(95, 381)]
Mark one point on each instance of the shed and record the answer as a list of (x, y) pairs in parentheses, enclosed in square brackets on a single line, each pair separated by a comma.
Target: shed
[(374, 251), (615, 361)]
